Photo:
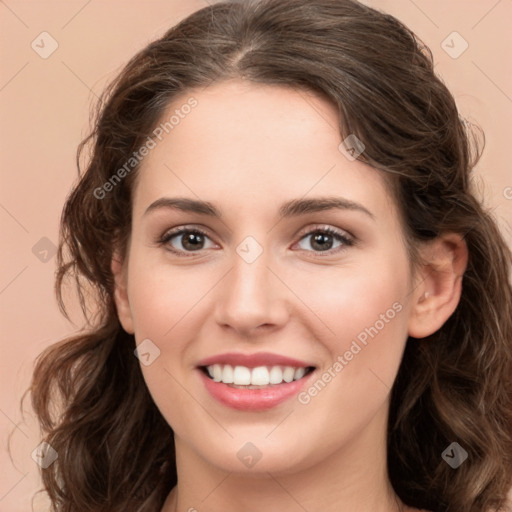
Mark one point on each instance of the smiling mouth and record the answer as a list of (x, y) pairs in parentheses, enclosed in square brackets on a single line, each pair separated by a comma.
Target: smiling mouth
[(259, 377)]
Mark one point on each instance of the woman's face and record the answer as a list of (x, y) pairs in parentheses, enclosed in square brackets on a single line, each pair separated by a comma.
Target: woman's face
[(276, 280)]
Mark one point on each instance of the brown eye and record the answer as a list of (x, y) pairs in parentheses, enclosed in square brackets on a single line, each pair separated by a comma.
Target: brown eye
[(185, 240), (326, 240)]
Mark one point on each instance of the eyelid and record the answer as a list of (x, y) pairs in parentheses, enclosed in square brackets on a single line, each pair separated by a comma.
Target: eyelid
[(179, 230), (325, 227), (346, 239)]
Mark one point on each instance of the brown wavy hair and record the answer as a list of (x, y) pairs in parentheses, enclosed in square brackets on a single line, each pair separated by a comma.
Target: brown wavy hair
[(116, 451)]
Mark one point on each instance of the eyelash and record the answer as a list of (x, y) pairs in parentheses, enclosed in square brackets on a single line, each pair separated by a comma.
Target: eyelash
[(339, 236)]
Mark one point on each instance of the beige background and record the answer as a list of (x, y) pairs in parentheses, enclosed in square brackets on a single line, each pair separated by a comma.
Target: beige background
[(45, 106)]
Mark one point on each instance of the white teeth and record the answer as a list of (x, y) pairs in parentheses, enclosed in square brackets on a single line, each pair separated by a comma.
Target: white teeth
[(259, 376), (241, 376), (227, 374), (288, 373), (217, 372), (299, 373), (276, 375)]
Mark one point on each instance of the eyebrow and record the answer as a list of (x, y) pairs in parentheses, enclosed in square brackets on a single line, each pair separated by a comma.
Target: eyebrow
[(293, 208)]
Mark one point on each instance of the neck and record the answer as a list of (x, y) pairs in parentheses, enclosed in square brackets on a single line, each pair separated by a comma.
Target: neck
[(353, 478)]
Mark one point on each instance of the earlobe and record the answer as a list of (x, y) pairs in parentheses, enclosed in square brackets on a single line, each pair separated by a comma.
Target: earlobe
[(439, 284), (124, 313)]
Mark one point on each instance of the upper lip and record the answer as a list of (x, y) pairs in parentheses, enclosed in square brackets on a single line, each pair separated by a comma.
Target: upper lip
[(253, 360)]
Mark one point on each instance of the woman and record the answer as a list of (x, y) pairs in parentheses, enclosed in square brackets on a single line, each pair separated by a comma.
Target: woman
[(300, 304)]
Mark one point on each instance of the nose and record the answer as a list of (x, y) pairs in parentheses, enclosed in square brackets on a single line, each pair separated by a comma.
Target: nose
[(251, 298)]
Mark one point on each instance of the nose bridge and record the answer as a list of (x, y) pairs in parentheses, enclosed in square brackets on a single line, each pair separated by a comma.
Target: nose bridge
[(251, 295)]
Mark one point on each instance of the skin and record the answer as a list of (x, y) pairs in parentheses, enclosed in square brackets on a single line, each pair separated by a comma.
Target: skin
[(247, 148)]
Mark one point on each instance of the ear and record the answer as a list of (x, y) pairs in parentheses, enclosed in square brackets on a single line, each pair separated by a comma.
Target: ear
[(119, 272), (438, 284)]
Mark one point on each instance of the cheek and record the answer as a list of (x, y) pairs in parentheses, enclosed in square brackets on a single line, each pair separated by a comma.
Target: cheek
[(351, 390), (349, 301), (165, 304), (364, 308), (162, 297), (362, 313)]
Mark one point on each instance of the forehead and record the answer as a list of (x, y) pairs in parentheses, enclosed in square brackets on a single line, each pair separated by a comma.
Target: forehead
[(249, 143)]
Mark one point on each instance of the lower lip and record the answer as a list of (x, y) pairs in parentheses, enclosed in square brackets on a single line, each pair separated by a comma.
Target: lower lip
[(253, 399)]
